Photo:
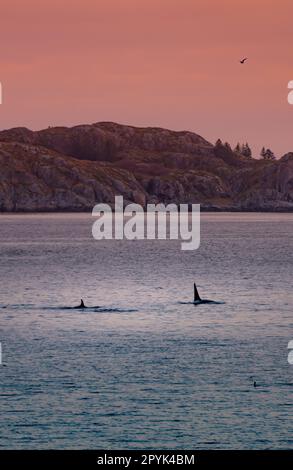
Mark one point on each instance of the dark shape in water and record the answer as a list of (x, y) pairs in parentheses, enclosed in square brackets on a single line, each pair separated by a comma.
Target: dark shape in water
[(197, 300), (196, 294), (81, 304)]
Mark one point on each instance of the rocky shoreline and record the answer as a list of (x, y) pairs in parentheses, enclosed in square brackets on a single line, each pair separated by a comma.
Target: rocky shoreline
[(71, 169)]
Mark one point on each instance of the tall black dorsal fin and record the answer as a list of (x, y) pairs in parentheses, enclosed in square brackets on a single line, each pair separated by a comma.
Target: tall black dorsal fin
[(196, 294)]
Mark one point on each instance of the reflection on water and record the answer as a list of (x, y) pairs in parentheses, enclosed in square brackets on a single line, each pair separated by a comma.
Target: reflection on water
[(147, 369)]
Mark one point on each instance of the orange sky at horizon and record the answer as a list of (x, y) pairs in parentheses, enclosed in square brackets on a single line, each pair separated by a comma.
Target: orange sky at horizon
[(166, 63)]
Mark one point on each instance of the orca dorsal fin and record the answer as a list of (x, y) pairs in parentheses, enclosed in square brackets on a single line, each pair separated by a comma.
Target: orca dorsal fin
[(196, 294)]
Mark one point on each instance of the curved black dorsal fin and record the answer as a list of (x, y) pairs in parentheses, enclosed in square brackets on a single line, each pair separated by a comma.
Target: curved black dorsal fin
[(196, 294)]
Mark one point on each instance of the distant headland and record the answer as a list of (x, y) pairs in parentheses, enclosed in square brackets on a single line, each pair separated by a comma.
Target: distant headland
[(72, 169)]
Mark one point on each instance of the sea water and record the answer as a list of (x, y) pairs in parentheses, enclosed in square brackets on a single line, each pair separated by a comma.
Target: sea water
[(143, 368)]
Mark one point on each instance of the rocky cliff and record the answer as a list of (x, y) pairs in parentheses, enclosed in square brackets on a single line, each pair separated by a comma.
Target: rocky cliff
[(71, 169)]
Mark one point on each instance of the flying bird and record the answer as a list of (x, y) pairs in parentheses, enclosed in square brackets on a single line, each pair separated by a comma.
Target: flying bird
[(243, 60)]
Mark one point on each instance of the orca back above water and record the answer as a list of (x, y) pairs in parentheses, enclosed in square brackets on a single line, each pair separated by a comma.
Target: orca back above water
[(81, 304), (197, 299)]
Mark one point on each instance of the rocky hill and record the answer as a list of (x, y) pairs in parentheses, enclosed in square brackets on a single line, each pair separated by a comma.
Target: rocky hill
[(71, 169)]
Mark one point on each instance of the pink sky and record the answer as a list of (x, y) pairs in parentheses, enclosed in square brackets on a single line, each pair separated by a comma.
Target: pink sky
[(161, 63)]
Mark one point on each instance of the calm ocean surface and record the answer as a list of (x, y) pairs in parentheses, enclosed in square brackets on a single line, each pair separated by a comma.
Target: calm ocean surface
[(144, 371)]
